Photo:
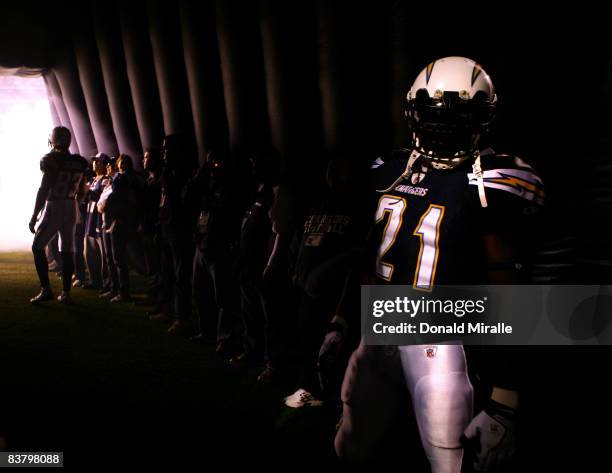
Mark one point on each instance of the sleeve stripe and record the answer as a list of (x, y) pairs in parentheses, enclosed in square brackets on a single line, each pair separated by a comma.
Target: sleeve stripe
[(522, 183), (524, 193), (511, 175)]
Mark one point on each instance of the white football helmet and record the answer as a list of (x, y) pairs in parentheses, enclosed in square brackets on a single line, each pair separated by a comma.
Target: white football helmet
[(450, 106)]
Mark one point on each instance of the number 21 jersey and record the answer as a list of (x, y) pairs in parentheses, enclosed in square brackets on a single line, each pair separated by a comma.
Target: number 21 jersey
[(430, 228)]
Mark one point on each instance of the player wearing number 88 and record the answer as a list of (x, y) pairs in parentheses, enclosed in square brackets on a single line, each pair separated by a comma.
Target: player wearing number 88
[(62, 182), (445, 209)]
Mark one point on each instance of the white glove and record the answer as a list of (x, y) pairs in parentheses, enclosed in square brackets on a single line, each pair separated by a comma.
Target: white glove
[(491, 437)]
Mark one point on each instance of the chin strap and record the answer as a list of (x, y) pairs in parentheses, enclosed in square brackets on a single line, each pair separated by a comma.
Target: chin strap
[(477, 169), (406, 174)]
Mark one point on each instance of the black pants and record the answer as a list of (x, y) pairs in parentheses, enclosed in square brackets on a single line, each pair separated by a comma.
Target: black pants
[(112, 281), (268, 316), (181, 250), (318, 302), (152, 253), (314, 316), (215, 291), (165, 294), (119, 241), (253, 316)]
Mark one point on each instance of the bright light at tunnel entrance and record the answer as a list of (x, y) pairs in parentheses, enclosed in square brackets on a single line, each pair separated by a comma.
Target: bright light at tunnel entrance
[(25, 123)]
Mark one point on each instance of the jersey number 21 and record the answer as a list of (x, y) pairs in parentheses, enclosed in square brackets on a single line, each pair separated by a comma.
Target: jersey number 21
[(428, 231)]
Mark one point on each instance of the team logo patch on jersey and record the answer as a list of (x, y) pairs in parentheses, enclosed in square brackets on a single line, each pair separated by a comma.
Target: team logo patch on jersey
[(430, 352), (521, 182), (417, 177)]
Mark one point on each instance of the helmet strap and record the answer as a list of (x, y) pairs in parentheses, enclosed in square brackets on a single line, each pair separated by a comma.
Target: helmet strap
[(414, 156), (477, 169)]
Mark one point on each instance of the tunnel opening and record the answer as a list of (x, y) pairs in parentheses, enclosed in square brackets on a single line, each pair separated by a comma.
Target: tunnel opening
[(25, 122)]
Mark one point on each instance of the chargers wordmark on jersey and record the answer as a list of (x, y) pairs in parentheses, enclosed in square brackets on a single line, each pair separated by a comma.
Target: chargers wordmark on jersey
[(418, 191)]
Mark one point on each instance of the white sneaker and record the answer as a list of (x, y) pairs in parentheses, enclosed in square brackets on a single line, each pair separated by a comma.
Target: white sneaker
[(77, 283), (45, 294), (302, 398), (64, 298)]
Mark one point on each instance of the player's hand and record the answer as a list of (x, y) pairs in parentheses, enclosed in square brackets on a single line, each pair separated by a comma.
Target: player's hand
[(32, 225), (332, 346), (329, 364), (490, 439)]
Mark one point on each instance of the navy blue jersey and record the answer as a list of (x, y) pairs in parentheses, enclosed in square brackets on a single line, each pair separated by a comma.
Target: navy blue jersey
[(333, 226), (63, 174), (429, 229)]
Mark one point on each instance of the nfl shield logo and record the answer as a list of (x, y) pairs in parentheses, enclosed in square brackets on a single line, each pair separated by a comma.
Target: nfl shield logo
[(430, 352), (417, 177)]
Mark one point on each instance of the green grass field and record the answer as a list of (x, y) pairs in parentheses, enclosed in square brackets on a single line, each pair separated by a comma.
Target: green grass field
[(96, 375)]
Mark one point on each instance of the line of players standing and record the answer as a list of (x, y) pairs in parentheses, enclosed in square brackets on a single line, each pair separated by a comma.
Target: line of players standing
[(265, 270)]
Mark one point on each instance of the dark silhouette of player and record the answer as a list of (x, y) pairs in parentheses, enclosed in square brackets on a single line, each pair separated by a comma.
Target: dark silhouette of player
[(62, 181)]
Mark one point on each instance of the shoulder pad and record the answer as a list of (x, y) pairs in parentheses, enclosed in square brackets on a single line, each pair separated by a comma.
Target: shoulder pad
[(390, 156), (501, 160), (510, 174), (48, 162)]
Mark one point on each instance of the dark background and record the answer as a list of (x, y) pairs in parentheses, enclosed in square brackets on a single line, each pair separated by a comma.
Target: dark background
[(314, 78)]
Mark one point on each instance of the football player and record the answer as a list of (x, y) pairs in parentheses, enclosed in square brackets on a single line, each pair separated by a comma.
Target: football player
[(62, 181), (447, 211)]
